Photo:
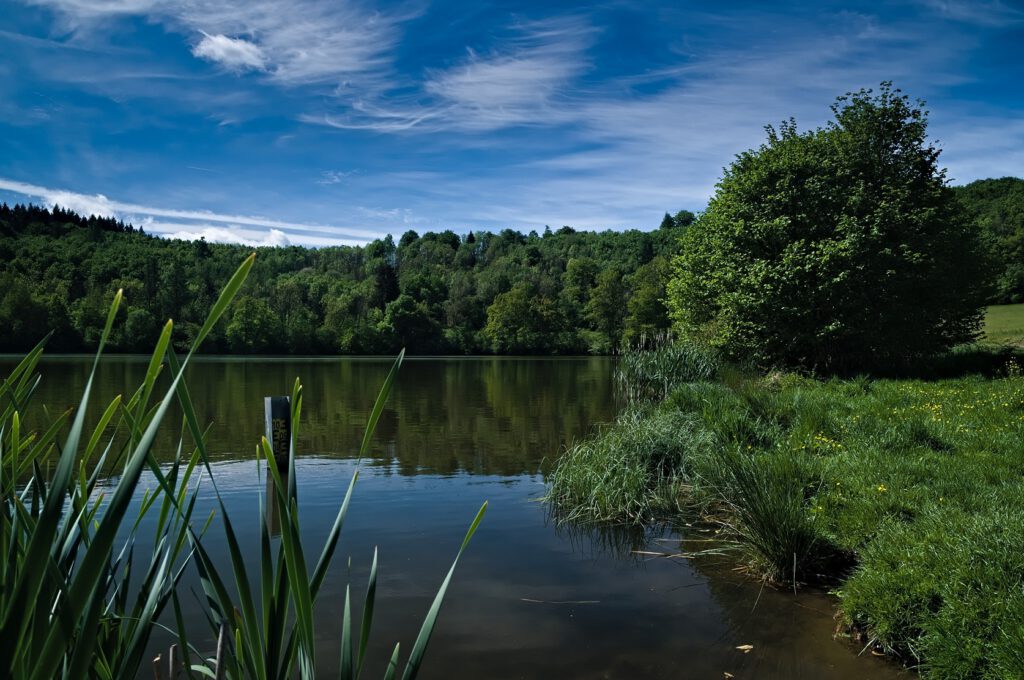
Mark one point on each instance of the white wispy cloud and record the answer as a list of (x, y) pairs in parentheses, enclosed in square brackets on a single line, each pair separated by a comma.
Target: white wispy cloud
[(522, 81), (329, 177), (233, 53), (234, 228), (216, 234), (298, 42), (980, 12)]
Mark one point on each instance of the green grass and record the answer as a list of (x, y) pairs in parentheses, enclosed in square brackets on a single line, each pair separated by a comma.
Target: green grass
[(631, 470), (908, 495), (1004, 325)]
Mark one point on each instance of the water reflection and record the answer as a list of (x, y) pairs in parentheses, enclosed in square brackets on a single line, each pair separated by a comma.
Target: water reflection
[(532, 598), (480, 415)]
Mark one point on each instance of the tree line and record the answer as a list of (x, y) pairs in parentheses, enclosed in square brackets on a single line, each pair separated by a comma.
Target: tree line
[(559, 292)]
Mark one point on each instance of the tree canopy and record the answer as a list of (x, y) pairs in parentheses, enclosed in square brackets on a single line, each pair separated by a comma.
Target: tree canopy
[(836, 248)]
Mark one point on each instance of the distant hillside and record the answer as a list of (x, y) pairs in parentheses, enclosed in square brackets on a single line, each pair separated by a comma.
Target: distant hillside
[(998, 207), (560, 292)]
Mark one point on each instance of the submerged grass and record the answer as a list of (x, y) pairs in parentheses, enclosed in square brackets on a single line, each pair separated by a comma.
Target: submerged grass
[(908, 494), (77, 600)]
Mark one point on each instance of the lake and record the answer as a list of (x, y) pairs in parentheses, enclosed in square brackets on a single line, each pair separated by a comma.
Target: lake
[(531, 598)]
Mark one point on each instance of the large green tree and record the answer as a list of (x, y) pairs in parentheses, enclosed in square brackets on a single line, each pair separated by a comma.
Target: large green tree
[(254, 327), (837, 248), (606, 307)]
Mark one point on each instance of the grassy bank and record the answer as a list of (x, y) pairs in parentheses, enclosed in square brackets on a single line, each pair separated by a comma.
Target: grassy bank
[(906, 495)]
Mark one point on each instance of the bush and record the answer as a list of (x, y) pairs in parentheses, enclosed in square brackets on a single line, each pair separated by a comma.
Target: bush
[(838, 248), (767, 495)]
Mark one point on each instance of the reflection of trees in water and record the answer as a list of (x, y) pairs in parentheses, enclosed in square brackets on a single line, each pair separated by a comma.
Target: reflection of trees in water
[(488, 415)]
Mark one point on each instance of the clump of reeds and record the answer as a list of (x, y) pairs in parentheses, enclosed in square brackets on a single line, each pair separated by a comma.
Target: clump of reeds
[(651, 369), (767, 496), (631, 470)]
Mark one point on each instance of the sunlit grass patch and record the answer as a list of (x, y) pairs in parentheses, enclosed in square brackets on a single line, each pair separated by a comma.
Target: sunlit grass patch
[(1004, 325)]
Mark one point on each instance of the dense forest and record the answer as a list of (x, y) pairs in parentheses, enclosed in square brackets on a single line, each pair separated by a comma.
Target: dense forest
[(560, 292), (997, 206)]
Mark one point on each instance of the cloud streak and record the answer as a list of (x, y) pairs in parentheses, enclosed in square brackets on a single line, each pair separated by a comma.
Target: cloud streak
[(224, 225), (523, 81)]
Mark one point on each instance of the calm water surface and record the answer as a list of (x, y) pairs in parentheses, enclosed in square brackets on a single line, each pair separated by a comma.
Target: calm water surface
[(531, 598)]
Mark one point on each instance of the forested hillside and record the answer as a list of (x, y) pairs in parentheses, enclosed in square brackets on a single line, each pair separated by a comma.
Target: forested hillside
[(997, 206), (560, 292)]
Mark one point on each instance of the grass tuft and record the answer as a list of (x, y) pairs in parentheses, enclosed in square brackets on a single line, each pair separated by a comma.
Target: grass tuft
[(651, 369)]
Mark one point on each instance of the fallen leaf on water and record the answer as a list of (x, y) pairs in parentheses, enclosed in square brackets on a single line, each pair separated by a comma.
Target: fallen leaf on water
[(745, 648)]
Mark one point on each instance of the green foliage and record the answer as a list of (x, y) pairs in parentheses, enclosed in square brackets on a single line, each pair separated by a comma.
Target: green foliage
[(997, 207), (838, 248), (630, 471), (254, 327), (430, 292), (604, 309), (522, 321), (646, 313)]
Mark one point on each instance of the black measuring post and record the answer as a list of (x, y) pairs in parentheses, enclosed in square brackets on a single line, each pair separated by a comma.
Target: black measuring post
[(277, 413)]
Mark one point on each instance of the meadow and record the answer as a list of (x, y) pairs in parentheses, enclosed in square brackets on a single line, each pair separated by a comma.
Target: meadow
[(1004, 325), (903, 496)]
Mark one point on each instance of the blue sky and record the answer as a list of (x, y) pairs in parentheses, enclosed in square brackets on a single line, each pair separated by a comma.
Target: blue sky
[(335, 121)]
